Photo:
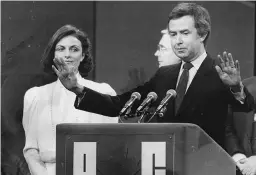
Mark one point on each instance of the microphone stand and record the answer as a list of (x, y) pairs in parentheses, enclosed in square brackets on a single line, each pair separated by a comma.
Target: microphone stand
[(144, 112), (126, 115), (159, 114)]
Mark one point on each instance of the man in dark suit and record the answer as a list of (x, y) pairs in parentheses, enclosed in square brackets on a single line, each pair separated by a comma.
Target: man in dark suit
[(203, 90), (241, 134)]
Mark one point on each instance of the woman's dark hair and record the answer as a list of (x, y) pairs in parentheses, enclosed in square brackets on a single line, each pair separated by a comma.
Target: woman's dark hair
[(200, 14), (68, 30)]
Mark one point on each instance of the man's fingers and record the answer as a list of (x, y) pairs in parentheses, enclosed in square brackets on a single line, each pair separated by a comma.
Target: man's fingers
[(63, 63), (56, 70), (231, 61), (225, 58), (218, 69), (247, 171), (56, 63), (237, 65), (222, 64), (57, 60)]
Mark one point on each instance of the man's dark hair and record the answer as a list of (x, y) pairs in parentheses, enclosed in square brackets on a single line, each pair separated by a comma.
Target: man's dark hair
[(200, 14)]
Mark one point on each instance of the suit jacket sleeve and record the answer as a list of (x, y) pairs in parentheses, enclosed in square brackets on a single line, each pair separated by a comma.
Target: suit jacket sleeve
[(232, 142), (111, 105), (237, 106)]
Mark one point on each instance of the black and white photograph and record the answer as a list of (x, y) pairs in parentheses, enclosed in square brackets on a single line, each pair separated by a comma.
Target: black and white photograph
[(128, 88)]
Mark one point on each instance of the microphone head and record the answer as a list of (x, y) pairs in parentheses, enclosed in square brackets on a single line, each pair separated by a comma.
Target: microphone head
[(171, 92), (136, 95), (153, 95)]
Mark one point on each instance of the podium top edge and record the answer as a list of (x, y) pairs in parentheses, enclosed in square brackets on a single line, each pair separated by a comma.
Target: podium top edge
[(66, 128)]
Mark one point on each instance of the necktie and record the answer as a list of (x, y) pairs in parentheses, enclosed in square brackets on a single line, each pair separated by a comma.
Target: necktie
[(182, 86)]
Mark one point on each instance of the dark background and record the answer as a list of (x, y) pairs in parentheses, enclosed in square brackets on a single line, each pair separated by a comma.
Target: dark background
[(124, 36)]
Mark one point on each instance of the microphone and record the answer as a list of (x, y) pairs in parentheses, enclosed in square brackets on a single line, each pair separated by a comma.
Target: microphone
[(152, 96), (169, 94), (129, 103), (161, 109)]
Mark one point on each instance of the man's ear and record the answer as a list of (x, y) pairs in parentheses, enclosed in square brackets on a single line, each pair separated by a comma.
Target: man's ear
[(202, 38)]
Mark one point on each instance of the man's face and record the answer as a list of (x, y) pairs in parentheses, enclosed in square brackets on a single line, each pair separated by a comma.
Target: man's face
[(164, 52), (185, 41)]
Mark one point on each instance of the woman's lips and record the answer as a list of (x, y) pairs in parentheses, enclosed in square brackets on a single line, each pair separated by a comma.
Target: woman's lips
[(68, 62)]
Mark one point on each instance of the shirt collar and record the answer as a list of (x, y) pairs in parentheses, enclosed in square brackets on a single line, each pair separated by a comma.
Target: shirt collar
[(197, 62)]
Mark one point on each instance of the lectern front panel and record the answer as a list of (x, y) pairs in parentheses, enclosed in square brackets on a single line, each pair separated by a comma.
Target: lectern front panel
[(136, 149)]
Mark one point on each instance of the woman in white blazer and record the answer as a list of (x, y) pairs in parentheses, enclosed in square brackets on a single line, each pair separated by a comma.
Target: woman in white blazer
[(51, 104)]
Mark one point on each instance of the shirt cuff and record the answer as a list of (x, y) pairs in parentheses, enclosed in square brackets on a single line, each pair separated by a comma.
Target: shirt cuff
[(240, 96), (80, 97), (238, 156)]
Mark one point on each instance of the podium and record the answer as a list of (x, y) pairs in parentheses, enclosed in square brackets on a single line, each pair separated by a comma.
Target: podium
[(139, 149)]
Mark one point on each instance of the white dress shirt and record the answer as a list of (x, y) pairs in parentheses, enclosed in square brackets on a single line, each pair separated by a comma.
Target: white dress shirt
[(192, 72)]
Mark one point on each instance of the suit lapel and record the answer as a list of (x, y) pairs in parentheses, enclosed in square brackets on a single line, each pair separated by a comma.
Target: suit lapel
[(194, 88), (166, 82), (171, 77)]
